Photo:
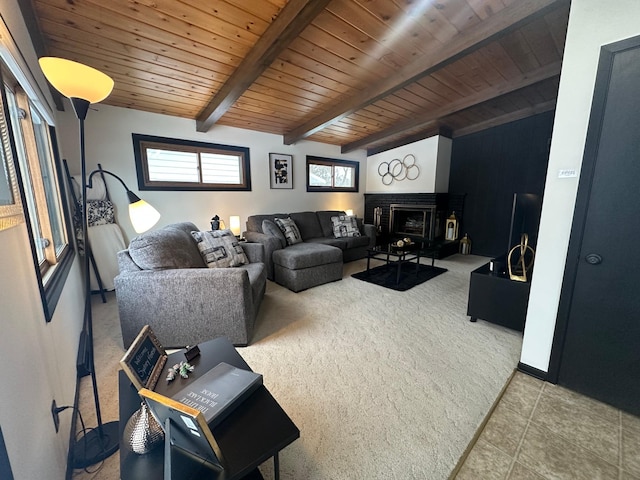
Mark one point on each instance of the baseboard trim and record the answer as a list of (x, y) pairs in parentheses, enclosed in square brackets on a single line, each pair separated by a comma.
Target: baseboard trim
[(534, 372)]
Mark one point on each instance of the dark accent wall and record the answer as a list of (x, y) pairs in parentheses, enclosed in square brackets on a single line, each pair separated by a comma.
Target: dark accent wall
[(489, 167), (5, 467)]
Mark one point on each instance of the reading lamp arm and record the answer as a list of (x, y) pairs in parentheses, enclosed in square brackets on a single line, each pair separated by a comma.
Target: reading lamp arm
[(132, 196)]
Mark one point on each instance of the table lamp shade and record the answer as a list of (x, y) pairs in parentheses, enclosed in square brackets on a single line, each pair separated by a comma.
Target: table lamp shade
[(75, 80), (234, 224)]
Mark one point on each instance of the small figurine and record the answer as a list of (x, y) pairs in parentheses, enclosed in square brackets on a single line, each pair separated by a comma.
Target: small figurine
[(182, 368)]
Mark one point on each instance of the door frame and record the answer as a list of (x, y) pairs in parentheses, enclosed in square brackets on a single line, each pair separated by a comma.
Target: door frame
[(589, 159)]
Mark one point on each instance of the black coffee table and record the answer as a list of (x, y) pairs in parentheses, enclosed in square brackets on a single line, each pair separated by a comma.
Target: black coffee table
[(254, 432), (398, 256)]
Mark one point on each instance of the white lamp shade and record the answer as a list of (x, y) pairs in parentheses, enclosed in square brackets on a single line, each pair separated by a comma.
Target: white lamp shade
[(143, 216), (349, 212), (75, 80), (234, 225)]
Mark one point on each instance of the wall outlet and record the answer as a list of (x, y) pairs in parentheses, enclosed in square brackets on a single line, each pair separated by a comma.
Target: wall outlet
[(54, 413)]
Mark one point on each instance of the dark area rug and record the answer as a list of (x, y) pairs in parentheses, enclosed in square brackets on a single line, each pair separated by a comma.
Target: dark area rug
[(385, 275)]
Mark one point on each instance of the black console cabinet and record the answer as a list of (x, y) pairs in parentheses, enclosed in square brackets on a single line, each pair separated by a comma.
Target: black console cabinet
[(497, 299)]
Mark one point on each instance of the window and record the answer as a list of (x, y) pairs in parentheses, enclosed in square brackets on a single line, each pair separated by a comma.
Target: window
[(330, 175), (171, 164), (29, 143)]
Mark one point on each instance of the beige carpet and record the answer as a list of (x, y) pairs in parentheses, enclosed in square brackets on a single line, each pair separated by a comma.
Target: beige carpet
[(382, 384)]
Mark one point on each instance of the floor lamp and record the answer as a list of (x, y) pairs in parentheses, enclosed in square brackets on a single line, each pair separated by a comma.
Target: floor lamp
[(83, 86)]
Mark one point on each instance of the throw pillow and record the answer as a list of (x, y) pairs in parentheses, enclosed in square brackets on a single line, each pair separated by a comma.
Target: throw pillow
[(290, 230), (99, 212), (220, 249), (270, 228), (345, 226)]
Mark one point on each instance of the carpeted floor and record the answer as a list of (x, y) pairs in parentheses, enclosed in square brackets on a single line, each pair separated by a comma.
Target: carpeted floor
[(382, 384)]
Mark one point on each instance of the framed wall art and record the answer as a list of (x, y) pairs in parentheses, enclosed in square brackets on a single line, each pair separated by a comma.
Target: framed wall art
[(281, 170)]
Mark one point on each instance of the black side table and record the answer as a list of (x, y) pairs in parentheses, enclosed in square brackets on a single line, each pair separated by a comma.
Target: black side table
[(494, 297), (254, 432)]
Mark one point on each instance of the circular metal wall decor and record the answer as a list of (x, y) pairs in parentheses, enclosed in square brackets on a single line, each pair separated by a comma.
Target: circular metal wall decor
[(399, 170)]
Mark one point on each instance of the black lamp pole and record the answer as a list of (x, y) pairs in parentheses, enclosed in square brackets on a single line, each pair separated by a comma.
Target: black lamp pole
[(102, 441)]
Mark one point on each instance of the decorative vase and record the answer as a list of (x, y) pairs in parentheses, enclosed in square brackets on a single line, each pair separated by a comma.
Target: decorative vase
[(142, 432)]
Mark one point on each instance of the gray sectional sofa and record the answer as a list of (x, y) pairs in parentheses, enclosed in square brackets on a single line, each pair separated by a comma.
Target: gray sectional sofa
[(164, 282), (318, 258)]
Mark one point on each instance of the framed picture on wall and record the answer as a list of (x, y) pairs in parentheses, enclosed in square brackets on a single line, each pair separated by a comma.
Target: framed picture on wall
[(281, 170)]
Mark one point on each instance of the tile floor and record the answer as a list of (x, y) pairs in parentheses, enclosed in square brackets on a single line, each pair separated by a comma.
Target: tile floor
[(542, 431)]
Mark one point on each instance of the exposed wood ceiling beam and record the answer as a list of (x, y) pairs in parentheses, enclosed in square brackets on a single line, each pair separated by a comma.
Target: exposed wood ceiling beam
[(289, 23), (506, 118), (416, 137), (430, 117), (496, 26)]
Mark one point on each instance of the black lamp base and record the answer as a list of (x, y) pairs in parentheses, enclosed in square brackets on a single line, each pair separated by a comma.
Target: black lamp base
[(91, 448)]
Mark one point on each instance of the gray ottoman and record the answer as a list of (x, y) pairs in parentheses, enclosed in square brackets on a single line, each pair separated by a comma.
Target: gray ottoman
[(305, 265)]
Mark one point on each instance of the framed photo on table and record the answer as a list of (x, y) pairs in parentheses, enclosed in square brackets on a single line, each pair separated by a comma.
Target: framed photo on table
[(281, 170), (144, 360)]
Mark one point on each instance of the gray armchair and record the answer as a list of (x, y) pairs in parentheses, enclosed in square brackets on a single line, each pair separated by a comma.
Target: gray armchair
[(165, 283)]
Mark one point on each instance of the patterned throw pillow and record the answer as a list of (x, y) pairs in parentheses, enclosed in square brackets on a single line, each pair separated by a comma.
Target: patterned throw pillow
[(99, 212), (345, 226), (290, 230), (220, 249), (270, 228)]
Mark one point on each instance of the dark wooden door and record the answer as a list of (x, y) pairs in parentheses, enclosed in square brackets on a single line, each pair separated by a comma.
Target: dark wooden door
[(600, 355)]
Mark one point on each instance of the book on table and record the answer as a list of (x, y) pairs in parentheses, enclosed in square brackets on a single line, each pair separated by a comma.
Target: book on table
[(219, 391)]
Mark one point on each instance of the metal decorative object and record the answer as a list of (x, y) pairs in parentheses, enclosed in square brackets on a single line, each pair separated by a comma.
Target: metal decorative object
[(142, 432), (518, 266), (399, 170)]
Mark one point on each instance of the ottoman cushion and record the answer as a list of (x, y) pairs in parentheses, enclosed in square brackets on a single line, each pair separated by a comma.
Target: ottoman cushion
[(306, 255)]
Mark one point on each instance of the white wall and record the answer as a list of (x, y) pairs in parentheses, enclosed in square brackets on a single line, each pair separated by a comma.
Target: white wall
[(592, 23), (108, 141), (433, 158), (38, 359)]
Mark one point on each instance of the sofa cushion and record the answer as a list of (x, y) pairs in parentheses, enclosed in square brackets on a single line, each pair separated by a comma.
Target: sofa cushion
[(354, 242), (166, 248), (270, 228), (290, 230), (324, 217), (254, 222), (306, 255), (341, 243), (345, 226), (308, 224), (220, 249)]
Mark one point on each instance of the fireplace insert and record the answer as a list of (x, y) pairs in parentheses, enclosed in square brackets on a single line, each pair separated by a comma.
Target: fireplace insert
[(415, 221)]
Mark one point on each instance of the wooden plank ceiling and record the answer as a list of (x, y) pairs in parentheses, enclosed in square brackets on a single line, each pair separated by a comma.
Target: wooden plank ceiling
[(357, 73)]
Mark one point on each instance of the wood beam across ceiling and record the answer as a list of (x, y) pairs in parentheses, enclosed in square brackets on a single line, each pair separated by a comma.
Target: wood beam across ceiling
[(430, 117), (506, 118), (295, 16), (502, 23)]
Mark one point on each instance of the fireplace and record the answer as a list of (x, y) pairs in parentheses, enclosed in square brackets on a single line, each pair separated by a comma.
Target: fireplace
[(415, 221)]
